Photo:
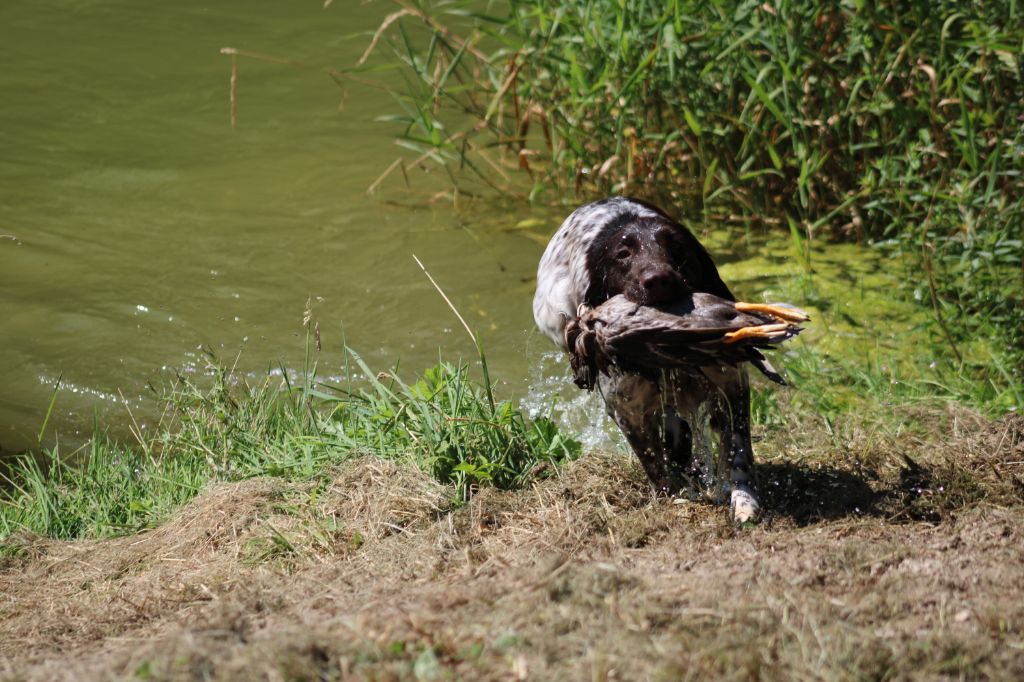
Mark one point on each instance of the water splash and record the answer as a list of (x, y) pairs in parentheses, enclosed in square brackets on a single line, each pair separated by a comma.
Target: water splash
[(580, 414), (711, 468)]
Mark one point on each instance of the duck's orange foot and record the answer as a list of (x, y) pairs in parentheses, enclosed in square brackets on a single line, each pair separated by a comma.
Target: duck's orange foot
[(780, 311), (761, 332)]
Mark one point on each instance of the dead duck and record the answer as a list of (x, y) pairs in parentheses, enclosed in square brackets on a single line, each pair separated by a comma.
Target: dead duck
[(701, 330)]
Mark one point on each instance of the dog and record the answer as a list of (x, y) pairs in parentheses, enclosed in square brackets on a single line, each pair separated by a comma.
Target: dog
[(626, 246)]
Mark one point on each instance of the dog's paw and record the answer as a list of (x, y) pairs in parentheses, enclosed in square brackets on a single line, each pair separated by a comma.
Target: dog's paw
[(744, 506)]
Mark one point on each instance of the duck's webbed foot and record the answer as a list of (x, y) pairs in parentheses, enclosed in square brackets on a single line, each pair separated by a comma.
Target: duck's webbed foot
[(780, 311)]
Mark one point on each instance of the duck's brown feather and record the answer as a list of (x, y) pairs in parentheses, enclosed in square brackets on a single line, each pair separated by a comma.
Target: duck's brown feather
[(700, 331)]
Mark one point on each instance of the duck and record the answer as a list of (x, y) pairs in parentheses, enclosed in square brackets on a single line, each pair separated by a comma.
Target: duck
[(700, 330)]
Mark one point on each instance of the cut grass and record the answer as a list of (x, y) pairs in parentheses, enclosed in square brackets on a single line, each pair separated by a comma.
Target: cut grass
[(865, 570), (372, 536)]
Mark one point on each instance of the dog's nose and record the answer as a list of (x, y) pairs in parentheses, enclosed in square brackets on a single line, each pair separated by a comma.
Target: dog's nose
[(661, 285)]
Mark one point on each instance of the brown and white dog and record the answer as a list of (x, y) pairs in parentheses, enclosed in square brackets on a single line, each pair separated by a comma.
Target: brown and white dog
[(629, 247)]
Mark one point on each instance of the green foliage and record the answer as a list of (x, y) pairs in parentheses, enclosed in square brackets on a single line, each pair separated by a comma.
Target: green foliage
[(896, 122), (232, 430), (819, 111), (445, 422), (104, 489)]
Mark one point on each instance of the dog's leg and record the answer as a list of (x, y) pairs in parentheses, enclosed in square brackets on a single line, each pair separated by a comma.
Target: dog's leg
[(733, 415), (677, 446), (659, 437)]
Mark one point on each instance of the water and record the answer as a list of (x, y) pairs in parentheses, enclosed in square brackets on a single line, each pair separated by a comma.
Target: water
[(137, 226)]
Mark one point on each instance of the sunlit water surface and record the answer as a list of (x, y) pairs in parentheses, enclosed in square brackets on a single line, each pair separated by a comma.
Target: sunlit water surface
[(136, 227)]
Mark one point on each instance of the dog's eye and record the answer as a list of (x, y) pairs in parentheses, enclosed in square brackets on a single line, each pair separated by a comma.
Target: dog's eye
[(628, 245)]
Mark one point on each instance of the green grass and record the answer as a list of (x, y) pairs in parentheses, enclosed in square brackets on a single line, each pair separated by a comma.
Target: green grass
[(892, 123), (833, 389), (445, 422)]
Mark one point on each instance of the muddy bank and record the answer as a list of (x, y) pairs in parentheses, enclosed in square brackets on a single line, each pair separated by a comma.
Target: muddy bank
[(895, 558)]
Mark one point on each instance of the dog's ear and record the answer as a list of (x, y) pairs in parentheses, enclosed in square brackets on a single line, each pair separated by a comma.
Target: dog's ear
[(709, 281), (712, 280)]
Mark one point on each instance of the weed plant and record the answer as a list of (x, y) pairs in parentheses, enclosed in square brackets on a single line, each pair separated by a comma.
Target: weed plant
[(898, 123), (230, 430), (446, 423)]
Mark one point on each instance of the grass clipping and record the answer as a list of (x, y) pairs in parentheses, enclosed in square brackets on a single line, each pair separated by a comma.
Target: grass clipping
[(890, 562)]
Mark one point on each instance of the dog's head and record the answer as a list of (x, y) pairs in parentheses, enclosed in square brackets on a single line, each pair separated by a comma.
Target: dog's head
[(617, 246), (651, 261)]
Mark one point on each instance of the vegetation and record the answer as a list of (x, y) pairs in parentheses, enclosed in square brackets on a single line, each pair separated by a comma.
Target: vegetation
[(895, 123), (445, 423)]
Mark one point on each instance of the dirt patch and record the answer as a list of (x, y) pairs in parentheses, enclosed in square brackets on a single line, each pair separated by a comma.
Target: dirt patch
[(884, 558)]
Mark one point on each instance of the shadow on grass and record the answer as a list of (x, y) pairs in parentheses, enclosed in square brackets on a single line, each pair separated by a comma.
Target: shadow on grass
[(915, 493), (807, 494)]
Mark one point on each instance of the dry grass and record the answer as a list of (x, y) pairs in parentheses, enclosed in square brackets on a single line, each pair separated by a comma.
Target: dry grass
[(885, 558)]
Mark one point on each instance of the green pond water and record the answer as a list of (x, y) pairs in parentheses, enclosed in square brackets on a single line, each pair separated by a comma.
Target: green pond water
[(137, 227)]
